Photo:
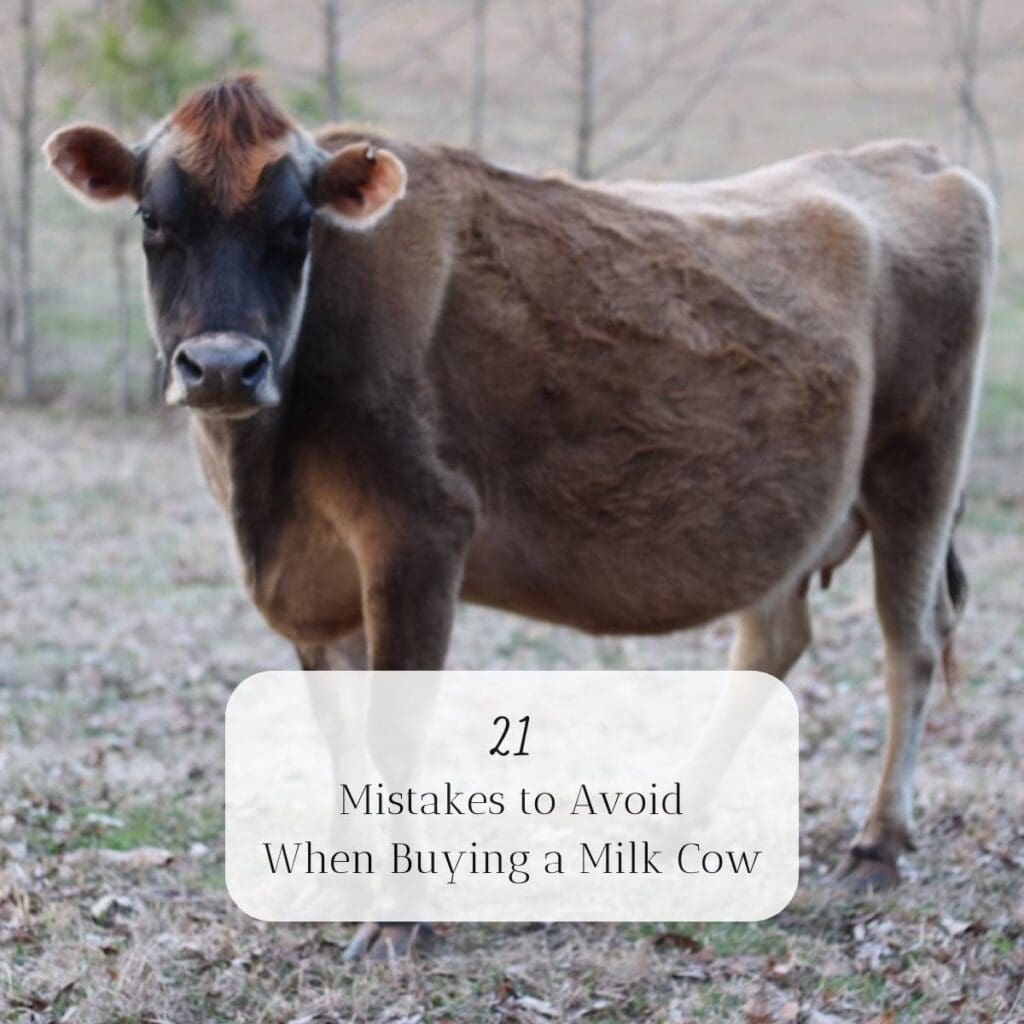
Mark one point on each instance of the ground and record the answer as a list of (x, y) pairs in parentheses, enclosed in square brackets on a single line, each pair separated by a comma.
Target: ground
[(123, 630)]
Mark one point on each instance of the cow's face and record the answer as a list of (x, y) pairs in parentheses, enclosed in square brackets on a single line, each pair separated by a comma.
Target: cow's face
[(227, 189)]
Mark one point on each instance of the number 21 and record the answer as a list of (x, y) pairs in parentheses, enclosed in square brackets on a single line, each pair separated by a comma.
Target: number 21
[(505, 724)]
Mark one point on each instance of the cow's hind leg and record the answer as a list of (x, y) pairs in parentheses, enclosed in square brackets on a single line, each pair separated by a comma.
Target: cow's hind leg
[(770, 637), (910, 497)]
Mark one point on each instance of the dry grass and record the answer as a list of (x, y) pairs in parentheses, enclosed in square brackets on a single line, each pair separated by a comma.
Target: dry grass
[(123, 631)]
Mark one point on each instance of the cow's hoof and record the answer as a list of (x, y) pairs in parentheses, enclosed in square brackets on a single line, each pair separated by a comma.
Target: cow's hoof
[(866, 870), (384, 943)]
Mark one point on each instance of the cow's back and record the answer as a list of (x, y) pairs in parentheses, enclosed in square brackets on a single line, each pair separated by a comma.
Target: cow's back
[(892, 230)]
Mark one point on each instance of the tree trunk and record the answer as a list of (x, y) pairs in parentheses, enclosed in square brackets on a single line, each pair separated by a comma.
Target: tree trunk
[(6, 271), (969, 31), (669, 27), (478, 99), (585, 121), (123, 343), (332, 59), (23, 384)]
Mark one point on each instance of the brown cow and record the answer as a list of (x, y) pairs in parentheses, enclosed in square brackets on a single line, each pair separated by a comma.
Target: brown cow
[(627, 408)]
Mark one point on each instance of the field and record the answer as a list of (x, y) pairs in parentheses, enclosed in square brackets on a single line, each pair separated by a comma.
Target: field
[(123, 631), (123, 628)]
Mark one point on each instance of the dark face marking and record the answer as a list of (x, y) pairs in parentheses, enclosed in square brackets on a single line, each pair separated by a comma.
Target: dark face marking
[(226, 290)]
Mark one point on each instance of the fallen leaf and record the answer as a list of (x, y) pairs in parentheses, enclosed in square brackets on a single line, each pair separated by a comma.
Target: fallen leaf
[(32, 1001), (677, 940), (951, 926), (505, 991), (595, 1007), (757, 1011), (819, 1017), (539, 1006), (106, 907), (103, 820), (140, 857)]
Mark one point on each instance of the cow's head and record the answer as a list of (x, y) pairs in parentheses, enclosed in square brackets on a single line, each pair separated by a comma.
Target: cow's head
[(227, 187)]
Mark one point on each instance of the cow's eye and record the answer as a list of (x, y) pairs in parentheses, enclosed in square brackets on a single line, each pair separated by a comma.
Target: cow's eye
[(299, 227), (149, 219), (291, 237)]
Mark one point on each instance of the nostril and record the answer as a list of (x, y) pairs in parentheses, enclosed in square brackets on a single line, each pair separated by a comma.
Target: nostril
[(190, 370), (254, 369)]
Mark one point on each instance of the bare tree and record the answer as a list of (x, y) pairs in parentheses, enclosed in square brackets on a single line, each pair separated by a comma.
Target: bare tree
[(6, 271), (332, 59), (420, 49), (724, 57), (113, 11), (669, 31), (587, 88), (959, 27), (478, 95), (122, 320), (713, 49), (20, 113)]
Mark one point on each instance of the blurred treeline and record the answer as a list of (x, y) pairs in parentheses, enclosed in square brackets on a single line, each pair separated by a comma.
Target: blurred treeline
[(617, 88)]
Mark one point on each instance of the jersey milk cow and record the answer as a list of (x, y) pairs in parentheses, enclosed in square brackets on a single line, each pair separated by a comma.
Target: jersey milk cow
[(416, 377)]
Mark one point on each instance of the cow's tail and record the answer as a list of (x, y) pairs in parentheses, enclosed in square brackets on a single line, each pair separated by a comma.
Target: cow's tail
[(953, 592)]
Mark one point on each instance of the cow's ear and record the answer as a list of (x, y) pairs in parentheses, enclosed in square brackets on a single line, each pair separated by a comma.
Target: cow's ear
[(93, 163), (358, 185)]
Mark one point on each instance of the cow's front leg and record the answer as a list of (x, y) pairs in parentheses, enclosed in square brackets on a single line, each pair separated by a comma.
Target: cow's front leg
[(408, 607), (411, 581), (348, 732), (410, 586)]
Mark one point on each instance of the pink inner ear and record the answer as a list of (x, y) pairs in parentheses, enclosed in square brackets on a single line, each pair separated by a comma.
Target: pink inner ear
[(385, 185), (94, 161), (359, 188)]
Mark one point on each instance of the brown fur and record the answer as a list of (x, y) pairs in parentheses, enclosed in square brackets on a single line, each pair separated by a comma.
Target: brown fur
[(229, 133), (622, 377), (625, 408), (633, 408)]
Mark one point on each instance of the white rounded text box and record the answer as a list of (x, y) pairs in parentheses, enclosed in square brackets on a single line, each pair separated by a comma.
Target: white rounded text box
[(511, 796)]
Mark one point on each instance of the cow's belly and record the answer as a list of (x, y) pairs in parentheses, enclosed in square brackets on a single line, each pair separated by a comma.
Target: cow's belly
[(572, 584), (601, 589), (636, 588), (675, 539)]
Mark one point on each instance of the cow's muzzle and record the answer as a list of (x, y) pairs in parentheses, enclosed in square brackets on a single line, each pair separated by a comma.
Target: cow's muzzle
[(222, 374)]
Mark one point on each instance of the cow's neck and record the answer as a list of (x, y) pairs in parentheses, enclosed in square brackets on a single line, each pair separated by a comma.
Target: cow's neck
[(242, 461)]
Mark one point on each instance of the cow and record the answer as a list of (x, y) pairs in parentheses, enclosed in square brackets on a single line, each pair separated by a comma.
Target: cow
[(416, 377)]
